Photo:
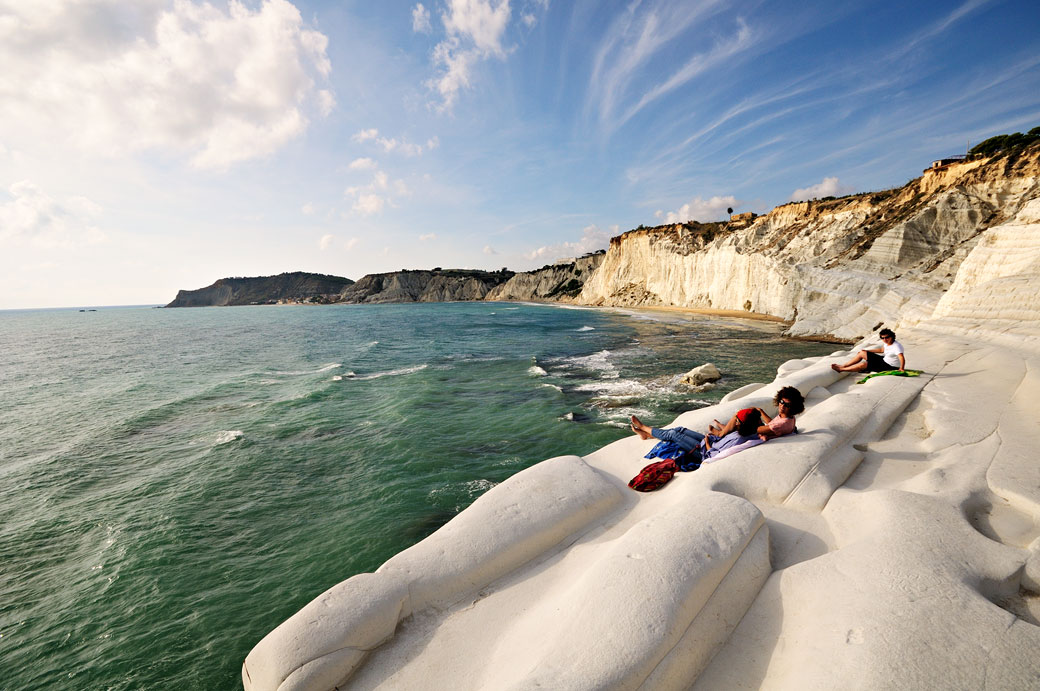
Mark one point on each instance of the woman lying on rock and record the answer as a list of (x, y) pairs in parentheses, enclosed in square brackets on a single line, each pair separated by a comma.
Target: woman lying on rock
[(748, 425), (887, 357)]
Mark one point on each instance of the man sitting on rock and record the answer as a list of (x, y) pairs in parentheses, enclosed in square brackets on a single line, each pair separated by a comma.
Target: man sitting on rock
[(888, 357)]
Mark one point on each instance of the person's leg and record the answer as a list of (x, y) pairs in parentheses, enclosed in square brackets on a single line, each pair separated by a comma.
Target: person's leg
[(686, 438), (856, 364), (639, 428)]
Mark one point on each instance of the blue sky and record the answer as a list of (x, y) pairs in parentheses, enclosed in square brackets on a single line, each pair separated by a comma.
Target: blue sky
[(157, 145)]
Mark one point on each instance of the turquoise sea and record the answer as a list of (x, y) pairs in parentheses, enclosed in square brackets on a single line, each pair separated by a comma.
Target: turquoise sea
[(175, 483)]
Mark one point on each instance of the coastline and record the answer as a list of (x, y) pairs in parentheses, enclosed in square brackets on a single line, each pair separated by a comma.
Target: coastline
[(833, 542)]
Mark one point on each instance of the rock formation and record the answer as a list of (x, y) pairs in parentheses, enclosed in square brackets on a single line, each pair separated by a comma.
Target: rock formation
[(835, 267), (297, 286), (560, 282), (437, 285)]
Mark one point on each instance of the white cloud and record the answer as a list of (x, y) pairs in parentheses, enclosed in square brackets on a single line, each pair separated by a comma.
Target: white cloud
[(362, 164), (369, 204), (432, 143), (529, 20), (489, 250), (329, 240), (220, 84), (365, 135), (828, 187), (307, 209), (474, 31), (592, 239), (403, 146), (421, 19), (34, 218), (698, 209), (428, 237), (326, 102)]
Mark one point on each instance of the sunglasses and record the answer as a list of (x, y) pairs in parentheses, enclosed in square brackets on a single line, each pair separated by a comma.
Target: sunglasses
[(786, 403)]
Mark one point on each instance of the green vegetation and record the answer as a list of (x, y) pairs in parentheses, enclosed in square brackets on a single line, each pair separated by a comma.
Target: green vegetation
[(1005, 143)]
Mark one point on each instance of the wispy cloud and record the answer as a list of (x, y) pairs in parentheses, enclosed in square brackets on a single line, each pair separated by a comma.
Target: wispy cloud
[(421, 19), (633, 40)]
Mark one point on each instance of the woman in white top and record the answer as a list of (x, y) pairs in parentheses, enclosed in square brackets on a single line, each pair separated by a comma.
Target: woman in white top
[(889, 356)]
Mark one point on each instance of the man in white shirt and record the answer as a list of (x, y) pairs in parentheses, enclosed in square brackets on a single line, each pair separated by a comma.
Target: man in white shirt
[(888, 357)]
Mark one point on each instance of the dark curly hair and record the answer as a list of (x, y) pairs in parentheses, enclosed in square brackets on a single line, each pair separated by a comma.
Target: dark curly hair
[(794, 396)]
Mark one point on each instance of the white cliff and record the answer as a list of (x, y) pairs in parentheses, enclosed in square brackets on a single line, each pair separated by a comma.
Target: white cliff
[(838, 267), (893, 543)]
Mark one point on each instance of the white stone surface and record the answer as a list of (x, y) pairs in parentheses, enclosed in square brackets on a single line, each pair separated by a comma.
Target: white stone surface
[(701, 374)]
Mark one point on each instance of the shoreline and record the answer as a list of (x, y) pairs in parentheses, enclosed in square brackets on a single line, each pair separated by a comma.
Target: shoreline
[(895, 491)]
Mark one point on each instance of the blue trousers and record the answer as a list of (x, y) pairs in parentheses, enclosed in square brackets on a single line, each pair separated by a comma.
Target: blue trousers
[(686, 438)]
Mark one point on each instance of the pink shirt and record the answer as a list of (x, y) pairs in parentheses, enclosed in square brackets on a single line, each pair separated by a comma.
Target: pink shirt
[(780, 426)]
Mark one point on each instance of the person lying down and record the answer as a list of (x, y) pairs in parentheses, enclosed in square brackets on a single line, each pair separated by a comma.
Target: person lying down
[(749, 427)]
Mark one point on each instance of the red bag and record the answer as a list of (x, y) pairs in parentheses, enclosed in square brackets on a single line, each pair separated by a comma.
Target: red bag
[(654, 476)]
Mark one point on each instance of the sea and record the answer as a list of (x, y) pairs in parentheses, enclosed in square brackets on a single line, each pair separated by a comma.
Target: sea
[(174, 483)]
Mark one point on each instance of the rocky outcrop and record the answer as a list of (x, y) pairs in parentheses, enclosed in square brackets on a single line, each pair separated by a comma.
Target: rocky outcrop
[(297, 286), (837, 267), (560, 282), (437, 285)]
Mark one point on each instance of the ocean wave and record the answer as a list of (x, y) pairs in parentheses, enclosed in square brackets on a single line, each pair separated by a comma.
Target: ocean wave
[(615, 387), (297, 373), (474, 488), (598, 362), (537, 371), (391, 373), (553, 386), (586, 328), (349, 374), (228, 436)]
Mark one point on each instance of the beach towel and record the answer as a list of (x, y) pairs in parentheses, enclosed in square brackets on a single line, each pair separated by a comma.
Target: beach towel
[(654, 476), (665, 449), (892, 373)]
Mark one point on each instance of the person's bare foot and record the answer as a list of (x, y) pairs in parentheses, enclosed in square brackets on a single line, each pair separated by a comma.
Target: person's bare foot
[(835, 367), (639, 428)]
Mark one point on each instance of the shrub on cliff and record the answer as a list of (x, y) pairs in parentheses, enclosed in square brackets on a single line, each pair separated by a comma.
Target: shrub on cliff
[(1005, 142)]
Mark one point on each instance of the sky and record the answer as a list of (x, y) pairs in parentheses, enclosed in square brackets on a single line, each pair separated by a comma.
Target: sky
[(158, 145)]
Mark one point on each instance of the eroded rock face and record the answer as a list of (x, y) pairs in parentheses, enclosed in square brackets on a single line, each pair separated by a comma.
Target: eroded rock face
[(558, 282), (839, 267), (424, 286)]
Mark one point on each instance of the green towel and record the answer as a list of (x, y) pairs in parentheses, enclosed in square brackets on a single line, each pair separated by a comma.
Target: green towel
[(892, 373)]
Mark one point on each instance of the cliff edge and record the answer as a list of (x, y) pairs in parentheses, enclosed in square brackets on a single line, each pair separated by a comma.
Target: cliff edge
[(835, 267), (296, 286)]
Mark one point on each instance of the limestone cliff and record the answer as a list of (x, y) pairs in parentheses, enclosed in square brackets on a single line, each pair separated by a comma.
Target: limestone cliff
[(437, 285), (560, 282), (296, 286), (839, 267)]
